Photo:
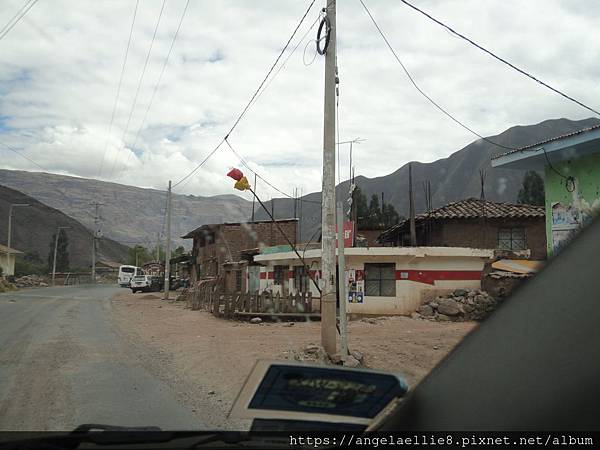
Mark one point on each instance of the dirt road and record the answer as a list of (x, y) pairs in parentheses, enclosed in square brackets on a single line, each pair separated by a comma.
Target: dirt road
[(212, 357), (63, 362)]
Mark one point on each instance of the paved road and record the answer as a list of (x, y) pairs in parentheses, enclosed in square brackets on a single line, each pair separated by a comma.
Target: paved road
[(63, 362)]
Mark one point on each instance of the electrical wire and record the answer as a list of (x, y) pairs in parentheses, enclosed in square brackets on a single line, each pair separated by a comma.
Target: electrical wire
[(157, 85), (502, 60), (16, 18), (413, 82), (254, 96), (114, 110), (569, 180), (22, 155), (271, 69), (137, 92), (245, 164)]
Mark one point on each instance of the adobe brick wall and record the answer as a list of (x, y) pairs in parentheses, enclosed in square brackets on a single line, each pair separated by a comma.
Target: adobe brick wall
[(473, 233), (230, 240)]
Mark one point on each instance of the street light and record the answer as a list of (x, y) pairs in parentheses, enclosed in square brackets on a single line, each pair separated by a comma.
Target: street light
[(10, 210), (56, 250)]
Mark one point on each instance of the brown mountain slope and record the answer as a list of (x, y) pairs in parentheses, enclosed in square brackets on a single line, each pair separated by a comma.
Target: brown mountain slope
[(453, 178), (129, 214), (33, 227)]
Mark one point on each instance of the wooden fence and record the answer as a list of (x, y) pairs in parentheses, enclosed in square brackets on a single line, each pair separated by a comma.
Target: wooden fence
[(230, 306)]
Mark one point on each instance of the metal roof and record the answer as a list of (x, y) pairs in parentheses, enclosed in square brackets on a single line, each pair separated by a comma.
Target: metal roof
[(557, 138), (5, 249), (472, 208)]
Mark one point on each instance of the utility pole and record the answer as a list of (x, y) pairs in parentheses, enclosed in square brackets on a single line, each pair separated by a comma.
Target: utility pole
[(10, 211), (94, 237), (168, 244), (343, 295), (328, 263), (253, 198), (411, 199), (158, 246), (56, 251)]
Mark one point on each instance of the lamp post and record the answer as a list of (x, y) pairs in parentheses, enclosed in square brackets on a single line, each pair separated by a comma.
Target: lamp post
[(55, 251), (10, 211)]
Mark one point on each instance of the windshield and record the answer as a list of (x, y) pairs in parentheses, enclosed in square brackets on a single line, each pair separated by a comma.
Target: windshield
[(362, 200)]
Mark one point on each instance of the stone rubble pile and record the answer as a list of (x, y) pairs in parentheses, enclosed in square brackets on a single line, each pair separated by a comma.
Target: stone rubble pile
[(460, 305), (316, 353), (6, 286), (31, 281)]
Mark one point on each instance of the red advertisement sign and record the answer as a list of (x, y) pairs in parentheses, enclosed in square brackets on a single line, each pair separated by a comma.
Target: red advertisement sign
[(348, 234)]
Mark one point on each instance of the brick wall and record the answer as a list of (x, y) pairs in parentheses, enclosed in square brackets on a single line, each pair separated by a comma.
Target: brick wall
[(473, 233), (230, 240)]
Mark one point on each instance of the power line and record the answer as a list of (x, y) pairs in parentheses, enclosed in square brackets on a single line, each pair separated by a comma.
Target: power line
[(256, 93), (502, 60), (262, 178), (433, 102), (271, 69), (137, 92), (16, 18), (156, 86), (22, 155), (114, 110)]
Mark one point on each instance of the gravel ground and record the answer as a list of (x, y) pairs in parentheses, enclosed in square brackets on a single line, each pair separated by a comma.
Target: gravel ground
[(210, 358)]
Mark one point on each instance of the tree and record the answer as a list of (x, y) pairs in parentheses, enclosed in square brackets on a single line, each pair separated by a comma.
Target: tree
[(532, 192), (179, 251), (373, 216), (62, 252), (143, 255)]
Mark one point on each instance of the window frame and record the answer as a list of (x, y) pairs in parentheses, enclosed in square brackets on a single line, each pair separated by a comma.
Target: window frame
[(301, 279), (379, 280), (278, 274), (522, 231)]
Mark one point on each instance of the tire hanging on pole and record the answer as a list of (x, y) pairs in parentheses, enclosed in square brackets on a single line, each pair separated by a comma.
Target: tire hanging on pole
[(327, 24)]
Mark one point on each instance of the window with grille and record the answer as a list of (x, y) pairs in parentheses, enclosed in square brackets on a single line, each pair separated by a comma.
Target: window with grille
[(278, 274), (380, 280), (301, 279), (511, 239), (238, 281)]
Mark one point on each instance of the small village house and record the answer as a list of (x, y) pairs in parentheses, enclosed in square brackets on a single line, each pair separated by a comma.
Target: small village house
[(381, 280), (571, 167), (476, 223), (7, 260), (220, 251)]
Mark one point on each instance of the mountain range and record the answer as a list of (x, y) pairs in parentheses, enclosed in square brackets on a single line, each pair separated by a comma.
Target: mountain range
[(33, 228), (453, 178), (131, 215)]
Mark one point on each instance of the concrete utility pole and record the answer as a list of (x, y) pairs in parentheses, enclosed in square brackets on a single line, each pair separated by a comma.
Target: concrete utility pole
[(56, 251), (10, 211), (343, 295), (411, 200), (328, 263), (168, 244), (94, 237)]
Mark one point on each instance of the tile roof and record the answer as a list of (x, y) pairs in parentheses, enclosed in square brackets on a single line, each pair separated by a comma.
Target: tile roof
[(537, 144), (473, 208), (215, 226)]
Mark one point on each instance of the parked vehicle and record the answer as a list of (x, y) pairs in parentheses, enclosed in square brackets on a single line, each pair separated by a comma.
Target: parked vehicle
[(126, 273), (145, 283)]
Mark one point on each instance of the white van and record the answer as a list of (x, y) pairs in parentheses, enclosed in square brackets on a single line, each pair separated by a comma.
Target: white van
[(126, 273)]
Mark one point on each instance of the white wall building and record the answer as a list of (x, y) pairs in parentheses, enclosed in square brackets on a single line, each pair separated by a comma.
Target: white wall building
[(380, 280), (8, 264)]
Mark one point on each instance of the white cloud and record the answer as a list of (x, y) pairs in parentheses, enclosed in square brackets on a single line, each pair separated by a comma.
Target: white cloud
[(59, 69)]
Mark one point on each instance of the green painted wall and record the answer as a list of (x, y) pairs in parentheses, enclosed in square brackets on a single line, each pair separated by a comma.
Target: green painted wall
[(585, 200)]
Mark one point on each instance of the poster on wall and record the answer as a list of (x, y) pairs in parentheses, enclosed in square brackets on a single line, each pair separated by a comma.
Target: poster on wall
[(566, 221), (564, 215), (355, 297)]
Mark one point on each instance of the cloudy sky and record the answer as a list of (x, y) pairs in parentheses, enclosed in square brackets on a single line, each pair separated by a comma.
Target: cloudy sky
[(60, 67)]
